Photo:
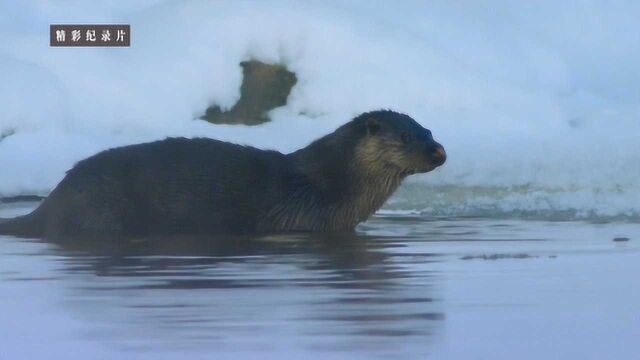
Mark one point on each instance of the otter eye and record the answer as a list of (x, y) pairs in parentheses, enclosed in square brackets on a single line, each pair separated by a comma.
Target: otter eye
[(406, 137)]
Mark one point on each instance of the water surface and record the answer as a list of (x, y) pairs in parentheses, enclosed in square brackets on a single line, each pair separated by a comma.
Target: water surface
[(401, 287)]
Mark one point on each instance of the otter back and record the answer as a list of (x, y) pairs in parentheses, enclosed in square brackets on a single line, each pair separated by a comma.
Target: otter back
[(175, 185)]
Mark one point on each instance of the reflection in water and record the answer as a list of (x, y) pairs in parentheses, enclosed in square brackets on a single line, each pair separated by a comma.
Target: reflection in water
[(341, 293), (509, 288)]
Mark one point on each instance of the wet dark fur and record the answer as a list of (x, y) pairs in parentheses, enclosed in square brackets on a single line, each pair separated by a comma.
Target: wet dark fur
[(189, 186)]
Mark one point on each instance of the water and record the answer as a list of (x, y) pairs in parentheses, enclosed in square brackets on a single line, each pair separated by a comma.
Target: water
[(401, 287)]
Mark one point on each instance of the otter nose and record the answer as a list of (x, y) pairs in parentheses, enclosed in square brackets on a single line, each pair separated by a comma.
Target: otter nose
[(438, 155)]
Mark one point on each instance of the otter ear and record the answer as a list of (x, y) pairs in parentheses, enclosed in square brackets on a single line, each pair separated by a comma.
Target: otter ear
[(373, 126)]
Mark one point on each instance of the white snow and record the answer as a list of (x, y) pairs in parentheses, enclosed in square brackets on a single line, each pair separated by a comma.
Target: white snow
[(541, 95)]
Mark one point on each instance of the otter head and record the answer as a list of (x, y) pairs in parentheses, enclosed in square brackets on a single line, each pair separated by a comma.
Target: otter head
[(395, 142)]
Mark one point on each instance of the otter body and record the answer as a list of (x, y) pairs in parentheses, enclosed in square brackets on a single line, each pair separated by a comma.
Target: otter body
[(205, 186)]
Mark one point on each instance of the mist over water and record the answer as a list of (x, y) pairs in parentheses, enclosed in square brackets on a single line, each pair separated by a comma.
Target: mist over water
[(537, 104)]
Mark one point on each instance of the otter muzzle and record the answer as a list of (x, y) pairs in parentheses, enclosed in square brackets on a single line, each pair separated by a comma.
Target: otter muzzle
[(437, 155)]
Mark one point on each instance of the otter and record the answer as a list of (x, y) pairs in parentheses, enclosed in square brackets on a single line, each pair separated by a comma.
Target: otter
[(206, 186)]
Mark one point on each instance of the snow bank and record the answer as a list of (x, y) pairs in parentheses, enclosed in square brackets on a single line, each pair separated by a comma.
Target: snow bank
[(535, 96)]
